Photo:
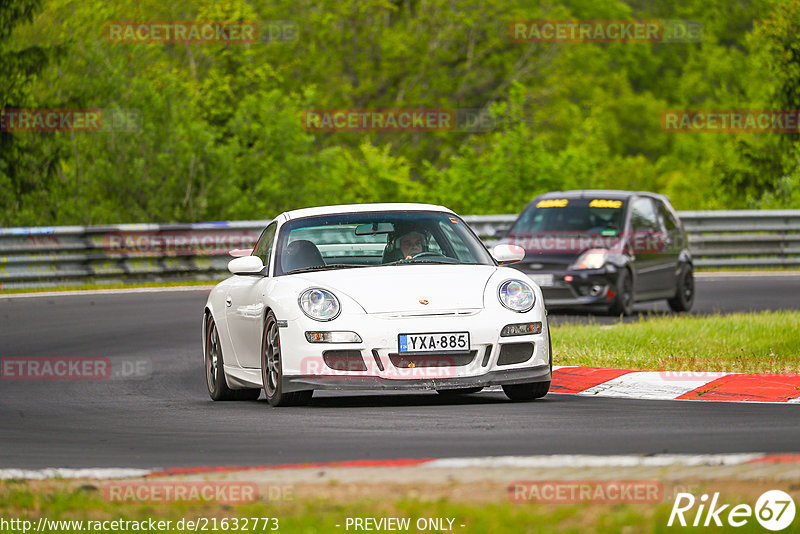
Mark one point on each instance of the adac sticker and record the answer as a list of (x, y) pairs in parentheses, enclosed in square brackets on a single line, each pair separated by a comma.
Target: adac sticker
[(453, 220), (599, 203), (553, 203)]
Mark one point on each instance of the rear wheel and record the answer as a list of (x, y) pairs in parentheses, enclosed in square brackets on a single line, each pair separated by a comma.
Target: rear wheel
[(272, 368), (684, 293), (623, 301), (215, 369)]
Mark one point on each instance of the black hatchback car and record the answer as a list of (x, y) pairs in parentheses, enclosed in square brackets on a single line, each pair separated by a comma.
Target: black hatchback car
[(609, 249)]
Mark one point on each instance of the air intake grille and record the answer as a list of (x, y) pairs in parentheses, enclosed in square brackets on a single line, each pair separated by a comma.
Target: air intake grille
[(344, 360), (403, 361), (515, 353)]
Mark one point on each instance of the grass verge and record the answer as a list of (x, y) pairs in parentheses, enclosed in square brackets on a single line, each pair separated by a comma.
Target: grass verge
[(766, 342), (61, 501)]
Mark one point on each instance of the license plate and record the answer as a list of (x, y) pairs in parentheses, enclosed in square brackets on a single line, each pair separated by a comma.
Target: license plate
[(542, 280), (436, 342)]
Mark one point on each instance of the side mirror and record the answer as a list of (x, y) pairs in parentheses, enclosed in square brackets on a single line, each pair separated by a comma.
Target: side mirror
[(239, 252), (505, 254), (246, 265)]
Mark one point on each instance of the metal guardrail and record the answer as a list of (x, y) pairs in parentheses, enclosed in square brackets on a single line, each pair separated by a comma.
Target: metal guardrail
[(74, 255)]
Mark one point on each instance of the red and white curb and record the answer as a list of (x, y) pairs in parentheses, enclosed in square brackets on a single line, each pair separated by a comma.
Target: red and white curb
[(676, 385), (543, 461)]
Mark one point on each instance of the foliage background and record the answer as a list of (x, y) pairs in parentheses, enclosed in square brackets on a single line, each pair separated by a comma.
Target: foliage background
[(221, 136)]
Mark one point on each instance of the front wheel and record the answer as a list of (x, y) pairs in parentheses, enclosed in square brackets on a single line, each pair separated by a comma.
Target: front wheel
[(526, 392), (272, 368), (218, 388), (684, 292), (623, 302)]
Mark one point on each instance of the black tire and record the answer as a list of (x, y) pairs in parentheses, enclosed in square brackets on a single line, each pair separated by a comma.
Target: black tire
[(623, 301), (684, 292), (526, 392), (215, 369), (459, 391), (535, 390), (272, 368)]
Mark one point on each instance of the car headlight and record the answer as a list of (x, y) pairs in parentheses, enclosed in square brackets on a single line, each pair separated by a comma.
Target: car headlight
[(516, 295), (593, 258), (319, 304)]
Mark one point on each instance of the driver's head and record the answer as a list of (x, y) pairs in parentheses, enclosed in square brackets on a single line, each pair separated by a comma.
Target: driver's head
[(410, 243)]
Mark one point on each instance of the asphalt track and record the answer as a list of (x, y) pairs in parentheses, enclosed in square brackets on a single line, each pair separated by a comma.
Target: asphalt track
[(162, 416)]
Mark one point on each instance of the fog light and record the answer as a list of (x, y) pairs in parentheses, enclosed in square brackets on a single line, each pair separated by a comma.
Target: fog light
[(522, 329), (596, 290), (333, 337)]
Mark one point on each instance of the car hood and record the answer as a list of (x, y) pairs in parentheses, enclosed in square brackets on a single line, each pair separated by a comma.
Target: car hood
[(402, 288)]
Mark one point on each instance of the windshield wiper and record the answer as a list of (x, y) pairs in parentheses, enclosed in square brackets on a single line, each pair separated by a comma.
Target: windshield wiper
[(413, 262), (330, 266)]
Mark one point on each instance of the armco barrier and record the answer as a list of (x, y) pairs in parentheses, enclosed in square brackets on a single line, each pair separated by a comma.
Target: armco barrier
[(74, 255)]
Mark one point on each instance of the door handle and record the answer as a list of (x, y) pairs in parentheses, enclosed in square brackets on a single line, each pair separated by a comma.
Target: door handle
[(228, 301)]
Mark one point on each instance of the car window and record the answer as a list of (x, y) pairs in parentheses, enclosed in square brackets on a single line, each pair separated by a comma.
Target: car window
[(583, 215), (667, 218), (265, 242), (459, 247), (377, 239), (643, 215)]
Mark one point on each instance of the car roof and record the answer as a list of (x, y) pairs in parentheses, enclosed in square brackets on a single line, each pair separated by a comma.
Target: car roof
[(361, 208), (608, 193)]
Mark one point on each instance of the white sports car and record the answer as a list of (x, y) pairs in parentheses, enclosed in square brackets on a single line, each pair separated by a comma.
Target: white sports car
[(374, 296)]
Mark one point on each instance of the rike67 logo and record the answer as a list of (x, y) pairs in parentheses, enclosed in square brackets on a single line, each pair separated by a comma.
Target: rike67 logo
[(774, 510)]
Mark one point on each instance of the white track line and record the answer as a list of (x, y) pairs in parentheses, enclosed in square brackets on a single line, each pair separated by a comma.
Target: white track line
[(650, 385), (56, 472), (542, 461), (580, 460)]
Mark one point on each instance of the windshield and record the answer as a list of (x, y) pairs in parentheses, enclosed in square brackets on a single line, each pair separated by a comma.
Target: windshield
[(377, 239), (572, 215)]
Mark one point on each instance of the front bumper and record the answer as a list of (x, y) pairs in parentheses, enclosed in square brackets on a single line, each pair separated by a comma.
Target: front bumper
[(587, 288), (491, 360), (540, 373)]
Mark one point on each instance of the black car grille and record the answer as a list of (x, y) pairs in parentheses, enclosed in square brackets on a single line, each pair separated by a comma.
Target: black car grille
[(511, 353), (344, 360), (403, 361)]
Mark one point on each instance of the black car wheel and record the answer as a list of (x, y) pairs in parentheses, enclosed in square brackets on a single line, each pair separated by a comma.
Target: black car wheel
[(623, 301), (684, 292), (272, 368), (215, 369), (535, 390)]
